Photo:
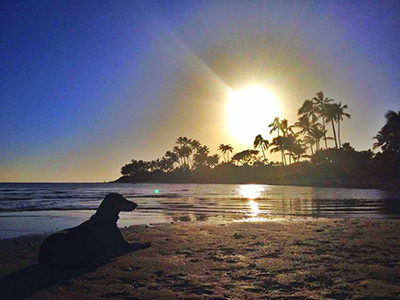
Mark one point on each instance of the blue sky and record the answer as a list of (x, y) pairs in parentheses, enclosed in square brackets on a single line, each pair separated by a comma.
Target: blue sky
[(89, 85)]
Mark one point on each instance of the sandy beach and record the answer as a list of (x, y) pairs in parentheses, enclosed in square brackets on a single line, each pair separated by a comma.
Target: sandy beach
[(290, 258)]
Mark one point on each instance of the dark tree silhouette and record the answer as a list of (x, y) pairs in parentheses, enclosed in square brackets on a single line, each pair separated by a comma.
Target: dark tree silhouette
[(320, 101), (388, 138), (259, 142)]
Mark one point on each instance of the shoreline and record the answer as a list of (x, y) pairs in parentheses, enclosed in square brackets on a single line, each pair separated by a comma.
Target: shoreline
[(15, 224), (302, 258)]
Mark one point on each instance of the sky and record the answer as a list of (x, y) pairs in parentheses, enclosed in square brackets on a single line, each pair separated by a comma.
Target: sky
[(87, 86)]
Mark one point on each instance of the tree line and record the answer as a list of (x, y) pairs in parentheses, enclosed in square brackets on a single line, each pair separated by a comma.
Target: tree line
[(315, 137)]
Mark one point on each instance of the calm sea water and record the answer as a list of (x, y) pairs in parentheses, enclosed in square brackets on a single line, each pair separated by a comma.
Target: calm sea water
[(42, 207), (203, 198)]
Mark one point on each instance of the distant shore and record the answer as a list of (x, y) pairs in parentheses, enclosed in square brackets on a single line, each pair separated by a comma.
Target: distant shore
[(300, 258)]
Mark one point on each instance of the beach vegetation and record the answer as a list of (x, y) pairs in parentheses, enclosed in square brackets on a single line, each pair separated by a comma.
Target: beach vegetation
[(306, 158)]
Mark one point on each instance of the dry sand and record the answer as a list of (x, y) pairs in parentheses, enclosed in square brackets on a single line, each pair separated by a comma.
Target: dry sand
[(282, 259)]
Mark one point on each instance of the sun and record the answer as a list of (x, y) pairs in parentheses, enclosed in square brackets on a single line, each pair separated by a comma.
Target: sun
[(248, 113)]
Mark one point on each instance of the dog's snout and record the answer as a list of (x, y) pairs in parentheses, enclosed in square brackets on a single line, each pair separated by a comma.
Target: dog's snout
[(130, 206)]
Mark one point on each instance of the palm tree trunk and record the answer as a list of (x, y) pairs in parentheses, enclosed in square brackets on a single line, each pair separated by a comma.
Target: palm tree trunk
[(340, 143), (262, 149), (334, 134), (190, 162), (312, 151), (323, 123)]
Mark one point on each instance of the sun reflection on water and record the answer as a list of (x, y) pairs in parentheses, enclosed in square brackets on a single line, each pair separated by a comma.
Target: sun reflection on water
[(254, 207), (252, 192)]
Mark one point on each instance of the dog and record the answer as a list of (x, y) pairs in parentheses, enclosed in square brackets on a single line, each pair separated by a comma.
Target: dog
[(93, 242)]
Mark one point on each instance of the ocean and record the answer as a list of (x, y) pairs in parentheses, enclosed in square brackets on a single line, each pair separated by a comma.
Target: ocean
[(46, 207)]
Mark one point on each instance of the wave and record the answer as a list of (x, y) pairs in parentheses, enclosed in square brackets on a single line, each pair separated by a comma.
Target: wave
[(220, 199), (159, 196), (58, 197), (16, 199)]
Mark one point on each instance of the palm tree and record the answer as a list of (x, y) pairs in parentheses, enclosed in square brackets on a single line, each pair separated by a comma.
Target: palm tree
[(306, 127), (152, 165), (178, 152), (330, 114), (321, 101), (183, 141), (277, 126), (195, 144), (298, 150), (155, 164), (286, 129), (317, 133), (382, 140), (246, 156), (167, 163), (186, 151), (228, 149), (223, 149), (294, 147), (340, 115), (279, 143), (388, 138), (309, 109), (212, 161), (309, 140), (290, 141), (172, 156), (201, 156), (259, 142), (392, 120)]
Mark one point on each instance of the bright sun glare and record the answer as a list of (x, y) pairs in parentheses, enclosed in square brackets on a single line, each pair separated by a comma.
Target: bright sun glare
[(249, 111), (252, 192)]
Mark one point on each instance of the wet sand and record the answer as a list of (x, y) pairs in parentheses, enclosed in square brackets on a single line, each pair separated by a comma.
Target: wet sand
[(15, 224), (301, 258)]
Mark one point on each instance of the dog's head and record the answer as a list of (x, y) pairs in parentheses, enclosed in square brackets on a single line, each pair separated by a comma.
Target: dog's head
[(113, 204)]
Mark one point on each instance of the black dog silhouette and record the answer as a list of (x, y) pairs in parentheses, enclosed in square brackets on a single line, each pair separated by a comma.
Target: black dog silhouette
[(93, 242)]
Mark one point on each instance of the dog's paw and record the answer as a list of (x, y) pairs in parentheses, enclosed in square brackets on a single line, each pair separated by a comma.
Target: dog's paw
[(138, 246)]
